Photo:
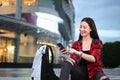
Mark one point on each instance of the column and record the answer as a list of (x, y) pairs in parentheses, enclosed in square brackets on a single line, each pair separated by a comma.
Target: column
[(18, 9), (17, 43)]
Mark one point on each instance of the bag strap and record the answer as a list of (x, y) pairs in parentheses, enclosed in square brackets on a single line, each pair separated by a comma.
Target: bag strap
[(52, 55)]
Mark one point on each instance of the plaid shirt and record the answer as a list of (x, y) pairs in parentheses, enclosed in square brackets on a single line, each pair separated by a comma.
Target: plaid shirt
[(95, 50)]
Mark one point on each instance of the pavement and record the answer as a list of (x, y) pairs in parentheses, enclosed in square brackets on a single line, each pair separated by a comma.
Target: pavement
[(25, 73)]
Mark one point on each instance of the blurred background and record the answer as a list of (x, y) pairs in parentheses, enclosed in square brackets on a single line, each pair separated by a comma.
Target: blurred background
[(25, 25)]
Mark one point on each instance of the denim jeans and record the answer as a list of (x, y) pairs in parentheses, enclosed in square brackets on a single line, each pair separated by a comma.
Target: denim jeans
[(68, 68), (77, 72), (65, 70)]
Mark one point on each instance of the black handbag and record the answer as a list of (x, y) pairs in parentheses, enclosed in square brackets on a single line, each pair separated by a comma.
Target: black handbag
[(47, 72)]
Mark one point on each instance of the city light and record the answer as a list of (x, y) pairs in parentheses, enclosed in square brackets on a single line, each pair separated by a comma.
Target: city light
[(48, 21)]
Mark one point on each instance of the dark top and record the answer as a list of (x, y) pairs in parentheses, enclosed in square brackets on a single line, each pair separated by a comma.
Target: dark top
[(80, 72), (83, 61), (83, 68)]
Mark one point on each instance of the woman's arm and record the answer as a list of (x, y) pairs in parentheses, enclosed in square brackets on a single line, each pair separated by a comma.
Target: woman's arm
[(94, 52), (87, 57)]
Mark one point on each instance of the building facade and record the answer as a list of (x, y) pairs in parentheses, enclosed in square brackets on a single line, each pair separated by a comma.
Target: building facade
[(24, 23)]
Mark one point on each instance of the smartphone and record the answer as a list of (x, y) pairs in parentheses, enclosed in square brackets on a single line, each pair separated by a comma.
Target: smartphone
[(60, 46)]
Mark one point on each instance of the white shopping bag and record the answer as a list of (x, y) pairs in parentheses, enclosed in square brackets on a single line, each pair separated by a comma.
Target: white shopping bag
[(36, 66)]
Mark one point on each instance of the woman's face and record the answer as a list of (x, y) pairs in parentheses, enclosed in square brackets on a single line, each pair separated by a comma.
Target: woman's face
[(85, 29)]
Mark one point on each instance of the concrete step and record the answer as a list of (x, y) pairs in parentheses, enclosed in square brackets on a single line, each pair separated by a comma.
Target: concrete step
[(25, 73)]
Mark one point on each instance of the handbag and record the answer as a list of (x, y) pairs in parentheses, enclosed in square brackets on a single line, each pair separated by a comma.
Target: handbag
[(47, 72)]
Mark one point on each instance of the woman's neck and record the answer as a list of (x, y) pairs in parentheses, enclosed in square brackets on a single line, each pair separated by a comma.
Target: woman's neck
[(87, 38), (86, 43)]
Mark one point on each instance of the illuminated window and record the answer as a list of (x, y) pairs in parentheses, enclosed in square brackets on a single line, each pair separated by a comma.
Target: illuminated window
[(30, 2), (4, 3)]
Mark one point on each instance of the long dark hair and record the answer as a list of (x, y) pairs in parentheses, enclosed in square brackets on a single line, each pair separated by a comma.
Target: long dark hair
[(91, 23)]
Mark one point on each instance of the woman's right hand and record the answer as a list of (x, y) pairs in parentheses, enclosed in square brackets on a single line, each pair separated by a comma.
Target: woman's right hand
[(63, 53)]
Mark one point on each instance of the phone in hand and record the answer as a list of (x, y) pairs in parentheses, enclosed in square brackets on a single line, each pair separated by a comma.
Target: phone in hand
[(60, 46)]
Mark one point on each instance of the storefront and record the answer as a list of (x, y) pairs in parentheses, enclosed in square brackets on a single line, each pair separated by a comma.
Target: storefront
[(19, 18), (27, 47)]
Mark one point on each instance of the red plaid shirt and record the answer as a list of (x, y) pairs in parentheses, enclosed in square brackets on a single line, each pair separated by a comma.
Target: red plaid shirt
[(95, 50)]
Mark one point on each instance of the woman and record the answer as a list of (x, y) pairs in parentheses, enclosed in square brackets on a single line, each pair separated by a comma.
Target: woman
[(85, 60)]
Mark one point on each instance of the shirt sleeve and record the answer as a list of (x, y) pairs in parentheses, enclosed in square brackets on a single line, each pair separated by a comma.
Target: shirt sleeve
[(74, 45), (96, 50)]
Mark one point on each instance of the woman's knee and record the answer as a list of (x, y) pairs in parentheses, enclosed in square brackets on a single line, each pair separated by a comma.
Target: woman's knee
[(100, 76), (66, 64)]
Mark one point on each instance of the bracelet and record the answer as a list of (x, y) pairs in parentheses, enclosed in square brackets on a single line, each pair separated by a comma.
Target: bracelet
[(80, 53)]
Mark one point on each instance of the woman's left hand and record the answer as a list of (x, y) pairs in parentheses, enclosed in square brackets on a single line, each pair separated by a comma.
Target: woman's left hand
[(72, 51)]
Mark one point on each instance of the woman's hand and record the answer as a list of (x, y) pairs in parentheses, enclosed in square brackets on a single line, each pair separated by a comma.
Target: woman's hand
[(63, 53), (72, 51)]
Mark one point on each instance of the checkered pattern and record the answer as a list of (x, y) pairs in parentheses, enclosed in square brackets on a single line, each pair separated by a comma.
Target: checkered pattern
[(95, 50)]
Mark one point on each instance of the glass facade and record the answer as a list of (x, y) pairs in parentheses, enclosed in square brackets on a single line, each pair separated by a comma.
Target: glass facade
[(47, 3), (7, 6), (21, 47), (11, 8), (27, 48), (6, 50), (6, 3), (7, 46)]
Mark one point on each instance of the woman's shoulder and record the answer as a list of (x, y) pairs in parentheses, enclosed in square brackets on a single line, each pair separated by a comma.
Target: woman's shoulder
[(76, 42), (97, 43)]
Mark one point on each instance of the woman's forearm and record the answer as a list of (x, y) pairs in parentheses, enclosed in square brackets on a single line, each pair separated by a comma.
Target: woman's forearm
[(87, 57)]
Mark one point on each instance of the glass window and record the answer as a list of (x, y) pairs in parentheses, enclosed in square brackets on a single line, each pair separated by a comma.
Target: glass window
[(47, 3), (27, 49), (7, 49), (7, 7), (6, 3), (30, 2)]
